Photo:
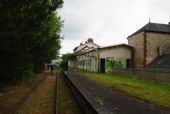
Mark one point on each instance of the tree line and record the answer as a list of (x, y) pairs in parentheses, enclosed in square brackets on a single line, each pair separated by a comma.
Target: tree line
[(29, 37)]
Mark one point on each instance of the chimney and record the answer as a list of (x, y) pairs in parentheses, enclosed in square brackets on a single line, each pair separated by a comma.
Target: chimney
[(90, 40), (81, 43)]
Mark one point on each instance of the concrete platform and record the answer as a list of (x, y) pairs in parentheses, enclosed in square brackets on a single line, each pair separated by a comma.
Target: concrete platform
[(105, 101)]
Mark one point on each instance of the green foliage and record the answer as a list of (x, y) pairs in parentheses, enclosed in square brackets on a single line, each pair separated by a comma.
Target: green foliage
[(109, 63), (118, 63), (115, 63), (30, 36), (65, 58), (64, 65)]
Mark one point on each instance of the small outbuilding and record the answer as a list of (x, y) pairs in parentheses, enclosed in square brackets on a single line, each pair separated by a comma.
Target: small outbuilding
[(115, 56)]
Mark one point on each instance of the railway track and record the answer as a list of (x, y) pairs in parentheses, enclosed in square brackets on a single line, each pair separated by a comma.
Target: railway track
[(32, 94), (18, 105), (66, 101)]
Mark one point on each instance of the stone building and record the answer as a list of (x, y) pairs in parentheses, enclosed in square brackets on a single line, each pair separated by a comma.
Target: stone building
[(150, 43), (92, 57), (149, 47), (87, 56)]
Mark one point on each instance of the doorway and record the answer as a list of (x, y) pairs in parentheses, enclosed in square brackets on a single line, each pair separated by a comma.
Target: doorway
[(102, 65)]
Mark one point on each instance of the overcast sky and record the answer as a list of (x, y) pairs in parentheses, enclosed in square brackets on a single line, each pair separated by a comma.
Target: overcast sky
[(108, 22)]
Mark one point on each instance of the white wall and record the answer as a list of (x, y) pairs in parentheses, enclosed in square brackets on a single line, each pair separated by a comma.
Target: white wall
[(120, 52), (116, 52)]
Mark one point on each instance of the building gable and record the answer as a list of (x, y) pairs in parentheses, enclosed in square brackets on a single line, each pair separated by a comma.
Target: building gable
[(154, 27)]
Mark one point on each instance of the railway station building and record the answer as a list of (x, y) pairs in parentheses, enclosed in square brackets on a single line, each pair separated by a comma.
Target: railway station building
[(115, 56), (151, 45), (92, 57), (147, 48), (87, 56)]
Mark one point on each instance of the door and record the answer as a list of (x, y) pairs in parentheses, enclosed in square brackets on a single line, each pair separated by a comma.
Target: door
[(128, 63), (102, 65)]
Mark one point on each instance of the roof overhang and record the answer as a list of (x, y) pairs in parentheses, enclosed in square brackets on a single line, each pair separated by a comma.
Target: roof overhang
[(84, 50)]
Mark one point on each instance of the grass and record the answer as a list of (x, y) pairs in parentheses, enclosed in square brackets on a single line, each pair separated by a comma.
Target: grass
[(146, 90), (99, 100), (66, 102)]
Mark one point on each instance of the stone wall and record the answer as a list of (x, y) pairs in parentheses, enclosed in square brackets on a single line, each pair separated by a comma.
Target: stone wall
[(167, 50), (157, 76), (155, 41), (137, 41)]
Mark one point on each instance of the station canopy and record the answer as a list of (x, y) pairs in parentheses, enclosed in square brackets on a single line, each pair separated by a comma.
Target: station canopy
[(84, 50)]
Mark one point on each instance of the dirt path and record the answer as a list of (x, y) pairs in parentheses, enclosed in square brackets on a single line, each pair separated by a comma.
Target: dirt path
[(10, 95), (42, 101)]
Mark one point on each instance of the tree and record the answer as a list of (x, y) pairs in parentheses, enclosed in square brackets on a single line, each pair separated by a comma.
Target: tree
[(65, 58), (30, 36)]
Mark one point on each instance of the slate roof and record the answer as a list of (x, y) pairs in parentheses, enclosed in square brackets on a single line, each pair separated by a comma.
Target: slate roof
[(154, 27), (162, 62), (118, 45)]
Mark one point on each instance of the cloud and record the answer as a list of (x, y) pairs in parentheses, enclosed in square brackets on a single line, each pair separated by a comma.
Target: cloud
[(159, 11), (108, 21)]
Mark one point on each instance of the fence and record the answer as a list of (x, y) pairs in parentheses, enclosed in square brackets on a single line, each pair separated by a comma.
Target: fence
[(157, 76)]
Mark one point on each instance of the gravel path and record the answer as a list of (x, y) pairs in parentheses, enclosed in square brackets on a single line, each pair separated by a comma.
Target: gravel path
[(42, 101), (13, 93)]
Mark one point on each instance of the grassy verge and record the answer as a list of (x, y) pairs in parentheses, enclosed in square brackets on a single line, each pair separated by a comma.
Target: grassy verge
[(146, 90), (66, 102)]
